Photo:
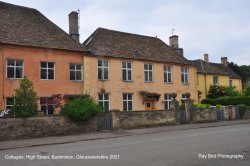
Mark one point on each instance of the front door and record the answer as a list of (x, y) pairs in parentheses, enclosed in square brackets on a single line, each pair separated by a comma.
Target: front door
[(149, 105)]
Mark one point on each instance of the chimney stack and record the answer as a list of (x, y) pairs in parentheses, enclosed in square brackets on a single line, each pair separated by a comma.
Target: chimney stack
[(224, 61), (73, 25), (206, 59), (174, 44)]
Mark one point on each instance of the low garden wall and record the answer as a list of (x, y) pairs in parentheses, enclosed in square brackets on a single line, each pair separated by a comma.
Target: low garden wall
[(17, 128), (137, 119), (204, 115)]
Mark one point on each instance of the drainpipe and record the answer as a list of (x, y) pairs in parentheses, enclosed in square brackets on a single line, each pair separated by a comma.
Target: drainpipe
[(205, 76), (2, 55)]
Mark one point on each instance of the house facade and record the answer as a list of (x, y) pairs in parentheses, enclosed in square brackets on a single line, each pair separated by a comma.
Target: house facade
[(132, 72), (33, 46), (215, 74)]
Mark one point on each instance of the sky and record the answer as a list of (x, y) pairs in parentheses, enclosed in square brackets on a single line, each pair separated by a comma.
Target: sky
[(219, 28)]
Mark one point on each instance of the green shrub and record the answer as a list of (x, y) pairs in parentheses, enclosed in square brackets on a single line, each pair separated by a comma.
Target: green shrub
[(230, 91), (228, 100), (182, 107), (81, 108), (25, 99), (201, 106), (218, 105), (247, 90), (215, 91)]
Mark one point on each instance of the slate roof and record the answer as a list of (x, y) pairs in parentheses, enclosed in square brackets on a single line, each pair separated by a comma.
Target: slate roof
[(214, 68), (28, 27), (104, 42)]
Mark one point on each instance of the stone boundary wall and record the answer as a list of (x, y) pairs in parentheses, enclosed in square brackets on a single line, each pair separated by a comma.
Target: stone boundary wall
[(18, 128), (137, 119), (204, 115)]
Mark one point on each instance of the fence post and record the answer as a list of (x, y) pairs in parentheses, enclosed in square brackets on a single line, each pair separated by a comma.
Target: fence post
[(174, 106), (115, 119), (189, 108)]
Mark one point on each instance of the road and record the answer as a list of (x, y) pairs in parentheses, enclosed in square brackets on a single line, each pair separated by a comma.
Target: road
[(185, 147)]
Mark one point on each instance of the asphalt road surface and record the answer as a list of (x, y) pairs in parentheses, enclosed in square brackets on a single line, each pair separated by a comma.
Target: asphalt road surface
[(227, 145)]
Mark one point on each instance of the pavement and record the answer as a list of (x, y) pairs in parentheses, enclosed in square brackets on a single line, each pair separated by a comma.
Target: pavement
[(13, 144)]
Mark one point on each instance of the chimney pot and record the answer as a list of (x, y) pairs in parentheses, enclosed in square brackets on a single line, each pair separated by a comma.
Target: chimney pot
[(74, 25)]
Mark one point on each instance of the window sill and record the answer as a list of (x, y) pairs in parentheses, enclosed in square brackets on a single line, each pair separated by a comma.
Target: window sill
[(127, 80), (148, 81), (185, 83), (103, 80), (76, 80), (47, 79), (14, 78), (168, 82)]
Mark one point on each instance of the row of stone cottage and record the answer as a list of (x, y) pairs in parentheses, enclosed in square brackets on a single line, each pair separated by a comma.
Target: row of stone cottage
[(121, 70)]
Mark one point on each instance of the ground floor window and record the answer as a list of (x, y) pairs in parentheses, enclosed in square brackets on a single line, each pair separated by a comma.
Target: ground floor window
[(46, 105), (167, 99), (9, 102), (103, 99), (127, 102)]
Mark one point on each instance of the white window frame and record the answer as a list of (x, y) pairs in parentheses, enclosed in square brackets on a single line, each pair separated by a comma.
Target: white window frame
[(6, 103), (167, 100), (47, 68), (147, 71), (215, 78), (102, 68), (167, 72), (14, 68), (126, 69), (104, 100), (75, 71), (127, 101), (184, 73)]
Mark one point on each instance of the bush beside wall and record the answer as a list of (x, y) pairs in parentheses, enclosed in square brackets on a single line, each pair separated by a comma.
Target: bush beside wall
[(228, 101)]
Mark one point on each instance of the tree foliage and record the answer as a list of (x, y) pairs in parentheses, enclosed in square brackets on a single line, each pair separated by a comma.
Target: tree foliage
[(25, 99), (81, 108)]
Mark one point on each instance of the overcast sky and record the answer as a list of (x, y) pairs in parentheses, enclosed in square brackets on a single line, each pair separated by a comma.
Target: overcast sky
[(219, 28)]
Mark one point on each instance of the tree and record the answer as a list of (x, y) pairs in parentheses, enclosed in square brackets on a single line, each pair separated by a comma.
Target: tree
[(25, 99)]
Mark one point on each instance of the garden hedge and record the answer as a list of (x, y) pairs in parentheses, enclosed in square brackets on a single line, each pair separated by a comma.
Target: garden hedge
[(228, 100)]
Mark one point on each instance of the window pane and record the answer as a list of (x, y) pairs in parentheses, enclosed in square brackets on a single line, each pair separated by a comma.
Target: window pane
[(129, 75), (19, 63), (124, 96), (124, 105), (43, 109), (129, 65), (186, 78), (150, 76), (123, 64), (106, 73), (146, 66), (43, 65), (100, 96), (124, 74), (106, 96), (10, 63), (10, 72), (165, 77), (100, 73), (101, 103), (150, 67), (78, 75), (106, 64), (51, 74), (106, 106), (10, 101), (129, 96), (72, 75), (146, 75), (169, 77), (19, 72), (182, 78), (43, 74), (50, 65), (50, 109), (78, 67), (99, 62), (130, 105), (72, 67)]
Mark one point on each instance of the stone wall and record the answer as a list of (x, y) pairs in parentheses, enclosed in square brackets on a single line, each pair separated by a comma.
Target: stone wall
[(137, 119), (17, 128), (204, 115)]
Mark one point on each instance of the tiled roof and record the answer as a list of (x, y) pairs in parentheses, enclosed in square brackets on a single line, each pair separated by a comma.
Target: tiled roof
[(28, 27), (214, 68), (104, 42)]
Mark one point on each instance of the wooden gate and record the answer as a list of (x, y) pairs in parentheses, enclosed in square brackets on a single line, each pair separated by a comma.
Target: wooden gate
[(104, 121)]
